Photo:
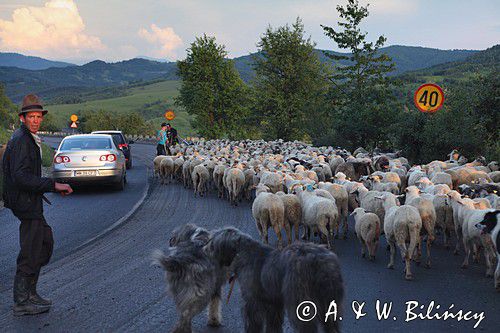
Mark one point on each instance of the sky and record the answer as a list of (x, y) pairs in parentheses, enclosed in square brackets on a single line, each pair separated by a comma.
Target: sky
[(80, 31)]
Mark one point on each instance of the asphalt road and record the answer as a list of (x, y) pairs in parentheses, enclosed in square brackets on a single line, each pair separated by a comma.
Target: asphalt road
[(109, 284)]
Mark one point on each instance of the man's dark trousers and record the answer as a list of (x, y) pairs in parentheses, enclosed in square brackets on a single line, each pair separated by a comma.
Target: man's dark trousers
[(37, 243), (160, 150)]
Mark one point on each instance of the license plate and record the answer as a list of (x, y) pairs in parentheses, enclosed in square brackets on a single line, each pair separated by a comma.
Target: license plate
[(86, 173)]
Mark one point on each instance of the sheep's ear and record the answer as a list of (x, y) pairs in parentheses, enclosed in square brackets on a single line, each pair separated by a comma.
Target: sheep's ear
[(495, 191), (349, 178)]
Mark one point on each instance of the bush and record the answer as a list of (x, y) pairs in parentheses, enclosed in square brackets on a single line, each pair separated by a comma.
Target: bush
[(47, 155)]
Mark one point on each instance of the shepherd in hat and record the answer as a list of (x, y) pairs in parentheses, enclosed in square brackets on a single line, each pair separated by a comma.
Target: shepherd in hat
[(23, 192)]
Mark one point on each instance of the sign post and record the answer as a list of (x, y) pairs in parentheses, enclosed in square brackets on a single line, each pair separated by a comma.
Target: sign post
[(74, 119), (169, 115), (429, 98)]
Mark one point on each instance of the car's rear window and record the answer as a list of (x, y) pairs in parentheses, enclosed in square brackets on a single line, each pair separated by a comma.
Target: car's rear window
[(118, 138), (86, 144)]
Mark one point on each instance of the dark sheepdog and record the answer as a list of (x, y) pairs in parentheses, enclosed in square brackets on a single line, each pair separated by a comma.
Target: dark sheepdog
[(491, 225), (273, 281), (193, 279)]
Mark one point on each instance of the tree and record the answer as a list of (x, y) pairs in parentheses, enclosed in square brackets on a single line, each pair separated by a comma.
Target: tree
[(289, 80), (129, 123), (49, 123), (364, 104), (212, 90), (468, 122), (8, 114)]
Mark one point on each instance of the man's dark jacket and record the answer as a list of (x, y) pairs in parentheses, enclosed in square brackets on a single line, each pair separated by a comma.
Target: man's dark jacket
[(172, 136), (23, 184)]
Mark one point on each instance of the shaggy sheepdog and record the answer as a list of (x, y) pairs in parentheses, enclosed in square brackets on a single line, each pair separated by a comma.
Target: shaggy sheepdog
[(274, 281), (193, 279)]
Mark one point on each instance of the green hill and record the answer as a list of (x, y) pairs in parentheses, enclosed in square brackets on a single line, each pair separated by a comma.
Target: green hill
[(56, 82), (458, 72), (53, 82), (149, 100), (406, 58)]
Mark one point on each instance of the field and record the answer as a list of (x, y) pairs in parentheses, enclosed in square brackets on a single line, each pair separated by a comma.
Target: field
[(150, 101)]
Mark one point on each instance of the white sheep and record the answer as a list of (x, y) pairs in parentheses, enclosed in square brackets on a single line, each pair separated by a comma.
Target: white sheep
[(367, 200), (378, 185), (317, 213), (249, 183), (427, 213), (342, 202), (268, 211), (367, 226), (473, 238), (391, 177), (156, 165), (235, 180), (335, 161), (481, 203), (293, 211), (402, 226), (200, 177), (340, 178), (186, 174), (218, 176), (494, 176), (442, 178), (273, 180), (178, 163), (166, 169), (414, 176), (444, 216)]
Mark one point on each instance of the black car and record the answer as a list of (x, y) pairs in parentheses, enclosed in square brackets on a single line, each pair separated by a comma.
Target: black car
[(121, 143)]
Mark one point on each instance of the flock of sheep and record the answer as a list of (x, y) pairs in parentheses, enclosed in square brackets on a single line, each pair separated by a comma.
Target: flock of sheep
[(297, 185)]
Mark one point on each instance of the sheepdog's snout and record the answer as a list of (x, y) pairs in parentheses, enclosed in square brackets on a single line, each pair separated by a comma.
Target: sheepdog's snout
[(480, 226)]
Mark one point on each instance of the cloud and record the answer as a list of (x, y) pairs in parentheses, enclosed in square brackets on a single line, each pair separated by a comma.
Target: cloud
[(57, 29), (166, 38)]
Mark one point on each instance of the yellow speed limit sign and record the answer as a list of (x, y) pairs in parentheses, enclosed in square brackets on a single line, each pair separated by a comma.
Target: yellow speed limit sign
[(169, 115), (429, 98), (73, 117)]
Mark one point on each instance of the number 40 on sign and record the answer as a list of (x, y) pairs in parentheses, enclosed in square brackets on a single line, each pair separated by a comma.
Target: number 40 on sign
[(429, 98)]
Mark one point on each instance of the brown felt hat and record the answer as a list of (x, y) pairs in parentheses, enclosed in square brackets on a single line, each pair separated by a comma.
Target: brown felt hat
[(31, 103)]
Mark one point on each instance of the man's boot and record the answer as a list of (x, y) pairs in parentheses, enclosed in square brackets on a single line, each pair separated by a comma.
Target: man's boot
[(23, 305), (34, 297)]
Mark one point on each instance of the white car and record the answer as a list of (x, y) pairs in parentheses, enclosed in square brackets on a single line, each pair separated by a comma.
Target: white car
[(90, 159)]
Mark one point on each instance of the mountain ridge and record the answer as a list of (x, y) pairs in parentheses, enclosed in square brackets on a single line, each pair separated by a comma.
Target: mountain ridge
[(54, 81), (12, 59)]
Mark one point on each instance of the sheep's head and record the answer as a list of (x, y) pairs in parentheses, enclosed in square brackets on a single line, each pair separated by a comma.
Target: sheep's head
[(357, 211), (412, 190), (481, 160)]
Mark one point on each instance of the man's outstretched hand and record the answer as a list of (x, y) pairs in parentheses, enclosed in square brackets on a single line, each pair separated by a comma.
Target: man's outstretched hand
[(64, 189)]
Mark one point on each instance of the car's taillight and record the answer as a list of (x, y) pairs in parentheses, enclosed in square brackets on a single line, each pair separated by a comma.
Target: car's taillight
[(122, 145), (61, 159), (109, 158)]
